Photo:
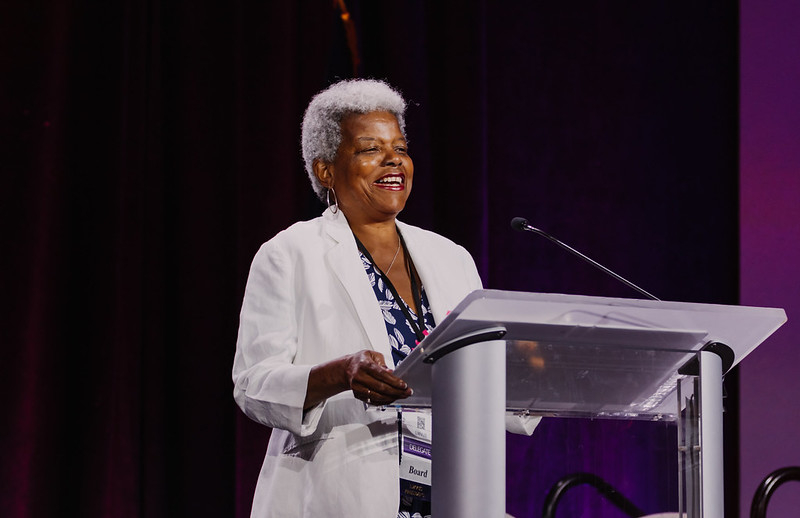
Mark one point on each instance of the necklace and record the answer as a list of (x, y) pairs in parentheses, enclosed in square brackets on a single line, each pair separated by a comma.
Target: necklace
[(395, 256), (416, 290)]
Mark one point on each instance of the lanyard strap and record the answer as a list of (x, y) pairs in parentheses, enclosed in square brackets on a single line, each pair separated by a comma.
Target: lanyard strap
[(418, 326)]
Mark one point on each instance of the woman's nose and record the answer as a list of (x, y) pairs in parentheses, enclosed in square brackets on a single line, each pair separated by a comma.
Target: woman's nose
[(393, 158)]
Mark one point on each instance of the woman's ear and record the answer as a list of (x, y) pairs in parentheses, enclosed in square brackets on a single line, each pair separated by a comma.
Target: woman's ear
[(323, 172)]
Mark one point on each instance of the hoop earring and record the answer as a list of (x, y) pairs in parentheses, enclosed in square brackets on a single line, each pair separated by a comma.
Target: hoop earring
[(335, 207)]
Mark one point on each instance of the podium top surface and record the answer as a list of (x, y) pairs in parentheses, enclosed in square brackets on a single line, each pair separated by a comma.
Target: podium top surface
[(574, 355)]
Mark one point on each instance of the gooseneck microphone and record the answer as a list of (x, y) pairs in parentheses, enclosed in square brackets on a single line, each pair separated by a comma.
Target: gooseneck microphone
[(522, 225)]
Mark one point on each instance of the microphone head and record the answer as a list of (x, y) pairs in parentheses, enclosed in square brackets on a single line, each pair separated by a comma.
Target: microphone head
[(519, 224)]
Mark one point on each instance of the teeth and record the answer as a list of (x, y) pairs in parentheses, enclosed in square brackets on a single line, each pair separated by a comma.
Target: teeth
[(391, 180)]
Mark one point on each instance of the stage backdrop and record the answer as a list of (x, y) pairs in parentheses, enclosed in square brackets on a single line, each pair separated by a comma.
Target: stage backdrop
[(150, 147), (770, 244)]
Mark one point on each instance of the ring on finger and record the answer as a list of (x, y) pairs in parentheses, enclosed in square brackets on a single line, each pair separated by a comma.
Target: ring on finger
[(368, 396)]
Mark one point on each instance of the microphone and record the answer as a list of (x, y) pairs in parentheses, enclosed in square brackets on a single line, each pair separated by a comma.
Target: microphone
[(522, 225)]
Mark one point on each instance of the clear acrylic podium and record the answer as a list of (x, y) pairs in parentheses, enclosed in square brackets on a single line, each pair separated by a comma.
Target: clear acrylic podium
[(575, 356)]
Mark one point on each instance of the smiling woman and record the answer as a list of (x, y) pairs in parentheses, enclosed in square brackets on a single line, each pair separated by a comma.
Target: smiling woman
[(332, 305), (372, 172), (372, 176)]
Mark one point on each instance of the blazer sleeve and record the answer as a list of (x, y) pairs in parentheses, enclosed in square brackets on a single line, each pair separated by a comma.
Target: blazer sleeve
[(474, 278), (268, 386)]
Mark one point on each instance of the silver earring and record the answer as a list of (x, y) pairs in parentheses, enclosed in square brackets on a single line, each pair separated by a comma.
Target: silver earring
[(335, 207)]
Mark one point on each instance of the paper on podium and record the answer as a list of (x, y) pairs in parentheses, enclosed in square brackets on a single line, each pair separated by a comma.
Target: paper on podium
[(581, 356)]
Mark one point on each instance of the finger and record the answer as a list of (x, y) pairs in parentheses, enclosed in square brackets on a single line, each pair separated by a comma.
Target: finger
[(380, 391), (377, 393), (371, 364), (363, 393), (386, 375), (382, 382)]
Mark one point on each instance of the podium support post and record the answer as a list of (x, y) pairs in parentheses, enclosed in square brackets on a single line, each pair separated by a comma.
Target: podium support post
[(469, 452), (711, 449)]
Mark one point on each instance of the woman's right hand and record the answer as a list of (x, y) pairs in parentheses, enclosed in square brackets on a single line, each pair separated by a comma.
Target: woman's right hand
[(364, 372), (372, 381)]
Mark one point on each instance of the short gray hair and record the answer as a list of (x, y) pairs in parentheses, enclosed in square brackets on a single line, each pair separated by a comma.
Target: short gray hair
[(322, 132)]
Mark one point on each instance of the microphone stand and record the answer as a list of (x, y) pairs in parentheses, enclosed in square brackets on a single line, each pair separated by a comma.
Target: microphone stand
[(522, 225)]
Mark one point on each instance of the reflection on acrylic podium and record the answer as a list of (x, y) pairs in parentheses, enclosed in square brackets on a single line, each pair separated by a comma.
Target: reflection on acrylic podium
[(580, 357)]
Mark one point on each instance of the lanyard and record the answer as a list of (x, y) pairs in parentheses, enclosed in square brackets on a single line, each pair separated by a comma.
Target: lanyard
[(419, 325)]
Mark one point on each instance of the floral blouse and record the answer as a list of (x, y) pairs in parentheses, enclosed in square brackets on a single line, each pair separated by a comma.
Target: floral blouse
[(401, 334)]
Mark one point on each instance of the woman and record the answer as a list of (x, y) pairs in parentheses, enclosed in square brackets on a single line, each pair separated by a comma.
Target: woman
[(331, 306)]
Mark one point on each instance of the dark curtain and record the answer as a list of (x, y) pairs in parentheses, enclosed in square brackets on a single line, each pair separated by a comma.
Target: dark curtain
[(148, 148)]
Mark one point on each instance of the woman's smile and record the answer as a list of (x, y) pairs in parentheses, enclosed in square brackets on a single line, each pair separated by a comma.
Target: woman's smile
[(392, 182)]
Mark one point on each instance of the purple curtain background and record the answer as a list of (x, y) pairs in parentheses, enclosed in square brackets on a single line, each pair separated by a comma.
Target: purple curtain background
[(770, 243), (148, 148)]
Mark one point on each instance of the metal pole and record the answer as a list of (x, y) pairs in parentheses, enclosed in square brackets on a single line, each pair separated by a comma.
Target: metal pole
[(469, 443), (711, 457)]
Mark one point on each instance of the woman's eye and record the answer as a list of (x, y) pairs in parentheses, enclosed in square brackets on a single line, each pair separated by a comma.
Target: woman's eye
[(401, 150)]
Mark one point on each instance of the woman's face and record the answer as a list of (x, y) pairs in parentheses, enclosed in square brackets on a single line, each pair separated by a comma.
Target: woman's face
[(372, 172)]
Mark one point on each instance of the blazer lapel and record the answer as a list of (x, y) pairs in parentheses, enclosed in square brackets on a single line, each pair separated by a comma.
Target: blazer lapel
[(345, 263), (427, 273)]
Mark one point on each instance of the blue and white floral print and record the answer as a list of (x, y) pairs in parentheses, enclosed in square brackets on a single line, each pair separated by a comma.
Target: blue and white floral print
[(401, 335), (403, 340)]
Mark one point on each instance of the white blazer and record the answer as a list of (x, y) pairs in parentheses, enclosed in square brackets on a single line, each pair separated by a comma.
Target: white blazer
[(307, 301)]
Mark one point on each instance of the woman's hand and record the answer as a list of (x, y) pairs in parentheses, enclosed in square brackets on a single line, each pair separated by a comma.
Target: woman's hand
[(364, 372), (372, 381)]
